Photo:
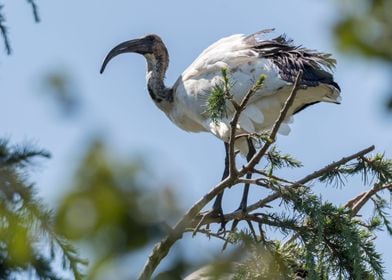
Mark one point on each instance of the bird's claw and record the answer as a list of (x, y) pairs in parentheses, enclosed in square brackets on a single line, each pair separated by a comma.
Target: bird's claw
[(218, 213), (242, 208), (213, 214)]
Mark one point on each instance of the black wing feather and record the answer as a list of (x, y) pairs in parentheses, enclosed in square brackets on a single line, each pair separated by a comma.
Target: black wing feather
[(289, 59)]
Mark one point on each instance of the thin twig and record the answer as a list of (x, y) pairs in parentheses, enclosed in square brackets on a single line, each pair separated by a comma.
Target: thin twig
[(252, 230), (4, 29), (198, 226), (350, 204), (209, 233), (272, 136), (269, 176), (308, 178), (358, 202), (258, 181), (234, 121), (239, 215), (273, 223), (233, 227), (4, 32), (35, 10)]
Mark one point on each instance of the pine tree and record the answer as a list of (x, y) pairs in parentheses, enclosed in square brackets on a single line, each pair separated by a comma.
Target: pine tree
[(29, 242)]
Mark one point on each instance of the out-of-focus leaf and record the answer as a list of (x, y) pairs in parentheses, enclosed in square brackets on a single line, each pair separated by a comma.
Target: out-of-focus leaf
[(26, 224), (365, 29), (61, 87), (109, 209)]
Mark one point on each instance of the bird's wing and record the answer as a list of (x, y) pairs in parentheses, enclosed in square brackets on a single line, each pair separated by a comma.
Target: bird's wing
[(316, 66), (227, 52), (233, 51)]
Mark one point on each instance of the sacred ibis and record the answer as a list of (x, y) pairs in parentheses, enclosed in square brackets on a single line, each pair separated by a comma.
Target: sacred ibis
[(245, 58)]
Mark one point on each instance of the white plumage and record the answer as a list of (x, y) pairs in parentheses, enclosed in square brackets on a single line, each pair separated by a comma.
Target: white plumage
[(245, 66)]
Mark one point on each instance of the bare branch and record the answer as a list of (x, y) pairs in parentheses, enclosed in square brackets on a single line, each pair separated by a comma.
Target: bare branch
[(358, 202), (4, 29), (4, 32), (308, 178), (257, 171), (334, 165), (35, 10), (272, 136), (259, 182), (233, 123), (209, 234)]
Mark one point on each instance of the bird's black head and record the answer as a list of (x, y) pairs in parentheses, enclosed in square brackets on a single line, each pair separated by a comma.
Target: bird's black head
[(150, 44)]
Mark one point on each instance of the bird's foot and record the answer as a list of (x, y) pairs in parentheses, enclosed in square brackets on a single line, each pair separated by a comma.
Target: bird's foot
[(242, 208), (211, 214), (218, 213)]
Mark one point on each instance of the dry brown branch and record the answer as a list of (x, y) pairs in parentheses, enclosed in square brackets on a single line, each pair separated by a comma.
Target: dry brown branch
[(358, 202)]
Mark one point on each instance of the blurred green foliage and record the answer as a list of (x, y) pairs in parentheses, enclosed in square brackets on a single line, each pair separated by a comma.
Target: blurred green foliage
[(28, 243), (111, 209), (60, 86), (365, 28)]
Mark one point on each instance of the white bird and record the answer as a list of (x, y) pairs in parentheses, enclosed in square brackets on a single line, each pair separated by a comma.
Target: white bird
[(245, 58)]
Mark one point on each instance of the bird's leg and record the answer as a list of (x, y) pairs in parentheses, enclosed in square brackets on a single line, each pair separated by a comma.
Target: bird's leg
[(217, 207), (244, 200)]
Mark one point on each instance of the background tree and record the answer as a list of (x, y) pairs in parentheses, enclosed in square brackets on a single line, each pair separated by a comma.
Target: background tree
[(365, 29), (4, 28), (29, 243), (111, 210)]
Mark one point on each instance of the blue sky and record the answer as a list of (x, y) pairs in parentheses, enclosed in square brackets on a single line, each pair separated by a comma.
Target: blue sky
[(74, 36)]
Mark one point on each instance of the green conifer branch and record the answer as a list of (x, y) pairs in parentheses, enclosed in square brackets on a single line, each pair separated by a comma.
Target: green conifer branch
[(22, 208)]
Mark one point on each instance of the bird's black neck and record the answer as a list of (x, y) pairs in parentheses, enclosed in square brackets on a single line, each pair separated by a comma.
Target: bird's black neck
[(156, 68), (157, 89)]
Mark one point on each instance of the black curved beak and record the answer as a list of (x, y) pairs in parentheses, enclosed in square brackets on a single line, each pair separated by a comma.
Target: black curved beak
[(140, 46)]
